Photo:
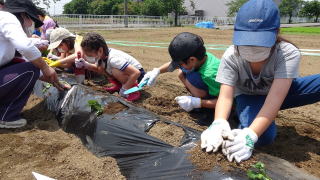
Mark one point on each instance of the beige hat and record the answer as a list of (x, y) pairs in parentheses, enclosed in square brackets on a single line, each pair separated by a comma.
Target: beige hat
[(57, 35)]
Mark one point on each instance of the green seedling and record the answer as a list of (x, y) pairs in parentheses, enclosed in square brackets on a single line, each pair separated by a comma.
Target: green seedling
[(259, 172), (95, 107), (46, 87)]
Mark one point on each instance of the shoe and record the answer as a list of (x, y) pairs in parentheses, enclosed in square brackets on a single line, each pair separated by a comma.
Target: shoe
[(116, 88), (134, 96), (13, 124)]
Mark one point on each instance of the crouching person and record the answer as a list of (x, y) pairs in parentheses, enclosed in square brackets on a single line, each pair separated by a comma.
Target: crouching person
[(197, 71), (17, 78), (122, 70)]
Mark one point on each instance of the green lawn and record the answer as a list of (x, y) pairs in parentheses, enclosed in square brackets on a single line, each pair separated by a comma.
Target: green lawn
[(301, 30)]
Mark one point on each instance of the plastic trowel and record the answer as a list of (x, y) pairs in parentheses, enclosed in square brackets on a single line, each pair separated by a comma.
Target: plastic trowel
[(137, 88)]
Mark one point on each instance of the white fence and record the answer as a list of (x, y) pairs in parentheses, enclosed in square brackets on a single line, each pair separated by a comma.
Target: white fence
[(116, 21)]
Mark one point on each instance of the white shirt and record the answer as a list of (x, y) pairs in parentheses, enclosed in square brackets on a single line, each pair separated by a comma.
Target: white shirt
[(120, 60), (12, 38)]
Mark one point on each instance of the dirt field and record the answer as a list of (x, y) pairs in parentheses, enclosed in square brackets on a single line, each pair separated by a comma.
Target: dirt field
[(44, 148)]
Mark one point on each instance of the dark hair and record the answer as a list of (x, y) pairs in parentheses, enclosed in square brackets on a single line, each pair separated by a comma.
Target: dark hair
[(20, 18), (41, 12), (93, 41), (1, 2), (69, 41), (280, 39), (200, 53)]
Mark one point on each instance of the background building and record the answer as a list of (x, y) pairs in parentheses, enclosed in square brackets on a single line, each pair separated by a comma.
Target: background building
[(210, 8)]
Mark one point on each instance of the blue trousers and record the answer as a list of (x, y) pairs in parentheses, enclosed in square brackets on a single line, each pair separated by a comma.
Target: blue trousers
[(303, 91), (16, 84)]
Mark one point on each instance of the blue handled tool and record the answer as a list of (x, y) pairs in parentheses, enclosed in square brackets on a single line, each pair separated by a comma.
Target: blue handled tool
[(137, 88)]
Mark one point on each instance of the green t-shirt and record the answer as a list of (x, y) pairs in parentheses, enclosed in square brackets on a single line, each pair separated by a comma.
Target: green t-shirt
[(208, 72)]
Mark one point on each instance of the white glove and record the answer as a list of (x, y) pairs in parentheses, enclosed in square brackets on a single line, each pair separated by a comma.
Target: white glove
[(53, 57), (121, 92), (212, 138), (80, 63), (241, 147), (188, 102), (151, 76)]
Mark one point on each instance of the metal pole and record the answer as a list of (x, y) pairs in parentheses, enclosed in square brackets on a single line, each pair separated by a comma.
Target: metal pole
[(126, 13)]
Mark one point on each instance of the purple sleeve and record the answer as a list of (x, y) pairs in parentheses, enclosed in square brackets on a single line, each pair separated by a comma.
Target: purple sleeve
[(47, 24)]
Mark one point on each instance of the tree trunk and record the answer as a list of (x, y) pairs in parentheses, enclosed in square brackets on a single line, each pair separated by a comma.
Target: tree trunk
[(316, 20), (290, 16), (176, 18)]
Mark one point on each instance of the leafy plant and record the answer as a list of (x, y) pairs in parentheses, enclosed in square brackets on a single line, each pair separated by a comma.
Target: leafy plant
[(46, 87), (95, 107), (259, 172)]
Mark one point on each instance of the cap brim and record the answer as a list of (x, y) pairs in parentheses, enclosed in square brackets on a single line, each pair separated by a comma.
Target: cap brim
[(37, 22), (173, 66), (254, 38), (54, 45)]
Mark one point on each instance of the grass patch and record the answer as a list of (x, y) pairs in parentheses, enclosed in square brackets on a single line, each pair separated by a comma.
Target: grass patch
[(301, 30)]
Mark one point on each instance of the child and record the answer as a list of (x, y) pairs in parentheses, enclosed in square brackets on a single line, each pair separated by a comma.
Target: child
[(66, 44), (198, 70), (261, 71), (124, 71)]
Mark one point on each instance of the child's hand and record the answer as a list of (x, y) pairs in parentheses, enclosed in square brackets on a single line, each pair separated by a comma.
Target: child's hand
[(80, 63)]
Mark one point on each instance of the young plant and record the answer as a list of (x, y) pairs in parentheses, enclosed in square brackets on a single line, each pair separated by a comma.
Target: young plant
[(95, 107), (46, 87), (259, 172)]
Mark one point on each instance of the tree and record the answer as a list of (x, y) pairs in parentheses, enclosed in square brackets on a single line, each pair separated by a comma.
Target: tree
[(289, 8), (234, 6), (45, 2), (175, 6), (152, 8), (76, 7), (104, 7), (311, 9)]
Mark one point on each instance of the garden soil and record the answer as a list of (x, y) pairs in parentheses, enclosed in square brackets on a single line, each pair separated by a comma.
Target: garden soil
[(46, 149)]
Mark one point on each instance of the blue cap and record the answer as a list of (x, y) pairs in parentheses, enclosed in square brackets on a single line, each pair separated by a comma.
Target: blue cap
[(256, 24)]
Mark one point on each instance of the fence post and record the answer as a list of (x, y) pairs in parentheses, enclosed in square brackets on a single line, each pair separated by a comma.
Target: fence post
[(80, 20)]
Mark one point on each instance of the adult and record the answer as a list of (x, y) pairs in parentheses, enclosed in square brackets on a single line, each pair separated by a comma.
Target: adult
[(17, 78), (261, 71)]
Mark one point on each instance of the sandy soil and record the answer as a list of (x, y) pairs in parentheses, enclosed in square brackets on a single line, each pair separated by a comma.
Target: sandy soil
[(44, 148), (168, 133), (206, 162)]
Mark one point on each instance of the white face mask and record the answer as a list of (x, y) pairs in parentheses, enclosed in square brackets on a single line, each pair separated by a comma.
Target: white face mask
[(90, 59), (29, 30), (254, 53), (61, 50)]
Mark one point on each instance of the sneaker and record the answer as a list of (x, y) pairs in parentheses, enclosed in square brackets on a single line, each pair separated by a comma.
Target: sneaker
[(133, 96), (115, 88), (13, 124)]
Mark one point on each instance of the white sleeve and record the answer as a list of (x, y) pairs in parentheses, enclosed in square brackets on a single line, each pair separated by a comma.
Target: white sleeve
[(13, 32), (119, 63)]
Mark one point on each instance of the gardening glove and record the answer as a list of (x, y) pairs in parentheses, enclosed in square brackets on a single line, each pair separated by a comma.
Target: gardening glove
[(80, 63), (151, 76), (240, 148), (212, 138), (121, 92), (188, 102)]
